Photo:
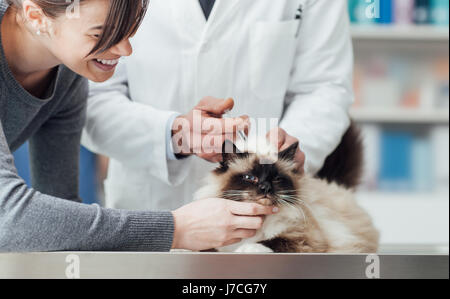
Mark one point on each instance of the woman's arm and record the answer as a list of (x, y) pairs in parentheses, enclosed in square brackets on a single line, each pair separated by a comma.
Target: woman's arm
[(32, 221)]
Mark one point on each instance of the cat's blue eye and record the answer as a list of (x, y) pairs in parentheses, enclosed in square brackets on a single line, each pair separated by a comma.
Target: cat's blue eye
[(250, 178)]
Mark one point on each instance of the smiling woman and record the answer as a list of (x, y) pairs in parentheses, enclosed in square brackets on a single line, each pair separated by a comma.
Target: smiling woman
[(45, 58), (90, 42)]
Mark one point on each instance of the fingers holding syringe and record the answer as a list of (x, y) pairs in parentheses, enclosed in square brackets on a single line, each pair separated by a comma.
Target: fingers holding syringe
[(225, 126)]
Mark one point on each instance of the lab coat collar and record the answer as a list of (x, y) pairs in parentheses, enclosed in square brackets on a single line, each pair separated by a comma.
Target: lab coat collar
[(191, 20)]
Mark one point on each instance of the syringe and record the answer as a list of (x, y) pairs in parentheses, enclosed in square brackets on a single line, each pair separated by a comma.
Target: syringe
[(240, 133)]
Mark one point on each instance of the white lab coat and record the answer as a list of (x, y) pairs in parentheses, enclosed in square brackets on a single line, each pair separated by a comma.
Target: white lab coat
[(247, 50)]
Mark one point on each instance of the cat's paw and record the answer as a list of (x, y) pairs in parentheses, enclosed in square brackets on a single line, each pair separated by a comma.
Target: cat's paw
[(253, 248)]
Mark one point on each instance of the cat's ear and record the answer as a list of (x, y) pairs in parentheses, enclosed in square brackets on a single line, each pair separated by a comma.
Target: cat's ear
[(229, 151), (289, 153)]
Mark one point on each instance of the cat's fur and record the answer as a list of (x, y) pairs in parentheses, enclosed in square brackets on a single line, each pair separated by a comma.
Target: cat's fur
[(345, 165), (316, 216)]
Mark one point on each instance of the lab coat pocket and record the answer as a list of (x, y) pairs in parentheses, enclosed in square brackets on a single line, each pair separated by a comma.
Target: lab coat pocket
[(272, 52)]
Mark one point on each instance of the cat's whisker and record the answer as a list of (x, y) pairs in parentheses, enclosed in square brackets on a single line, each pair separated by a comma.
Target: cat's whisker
[(291, 201), (292, 206), (296, 199), (304, 216), (231, 193), (234, 197), (287, 198), (235, 192)]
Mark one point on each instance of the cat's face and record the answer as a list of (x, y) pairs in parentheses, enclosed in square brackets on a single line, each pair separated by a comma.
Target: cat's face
[(245, 179)]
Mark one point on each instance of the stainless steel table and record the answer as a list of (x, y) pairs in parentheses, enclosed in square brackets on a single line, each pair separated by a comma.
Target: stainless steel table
[(184, 265)]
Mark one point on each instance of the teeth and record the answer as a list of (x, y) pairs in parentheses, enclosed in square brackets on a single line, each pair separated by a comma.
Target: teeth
[(108, 62)]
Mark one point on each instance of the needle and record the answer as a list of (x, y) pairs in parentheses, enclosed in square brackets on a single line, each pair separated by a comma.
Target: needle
[(240, 133)]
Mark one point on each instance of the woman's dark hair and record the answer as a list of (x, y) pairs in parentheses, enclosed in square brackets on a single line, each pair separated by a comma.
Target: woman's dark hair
[(123, 20)]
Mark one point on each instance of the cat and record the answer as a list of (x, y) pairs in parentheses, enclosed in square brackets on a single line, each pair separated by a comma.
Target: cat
[(316, 215)]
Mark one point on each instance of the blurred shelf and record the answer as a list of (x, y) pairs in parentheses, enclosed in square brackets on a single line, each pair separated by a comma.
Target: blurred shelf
[(400, 115), (408, 218), (396, 32), (414, 249), (386, 197)]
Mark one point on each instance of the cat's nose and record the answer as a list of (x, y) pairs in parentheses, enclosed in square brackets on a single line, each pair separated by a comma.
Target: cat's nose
[(265, 187)]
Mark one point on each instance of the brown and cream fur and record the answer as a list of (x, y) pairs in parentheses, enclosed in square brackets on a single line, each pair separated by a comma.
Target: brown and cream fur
[(316, 216)]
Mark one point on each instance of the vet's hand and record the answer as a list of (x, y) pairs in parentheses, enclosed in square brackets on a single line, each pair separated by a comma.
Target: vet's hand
[(285, 141), (203, 130), (215, 222)]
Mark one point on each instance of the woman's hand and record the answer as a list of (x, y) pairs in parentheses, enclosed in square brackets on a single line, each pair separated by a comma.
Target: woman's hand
[(215, 222)]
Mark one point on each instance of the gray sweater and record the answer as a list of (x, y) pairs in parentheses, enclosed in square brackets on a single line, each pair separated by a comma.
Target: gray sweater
[(50, 217)]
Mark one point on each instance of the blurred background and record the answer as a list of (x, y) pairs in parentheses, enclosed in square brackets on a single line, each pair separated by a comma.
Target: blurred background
[(402, 105)]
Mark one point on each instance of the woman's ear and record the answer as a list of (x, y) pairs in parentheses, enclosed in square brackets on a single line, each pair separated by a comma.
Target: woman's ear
[(35, 17)]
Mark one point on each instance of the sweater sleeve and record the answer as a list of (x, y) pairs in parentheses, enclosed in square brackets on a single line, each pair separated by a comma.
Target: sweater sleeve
[(33, 221)]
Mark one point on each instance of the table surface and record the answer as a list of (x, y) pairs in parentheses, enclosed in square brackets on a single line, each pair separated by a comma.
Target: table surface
[(186, 265)]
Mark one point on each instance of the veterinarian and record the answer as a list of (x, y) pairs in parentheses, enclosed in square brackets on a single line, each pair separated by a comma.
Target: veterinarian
[(274, 62), (44, 55)]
